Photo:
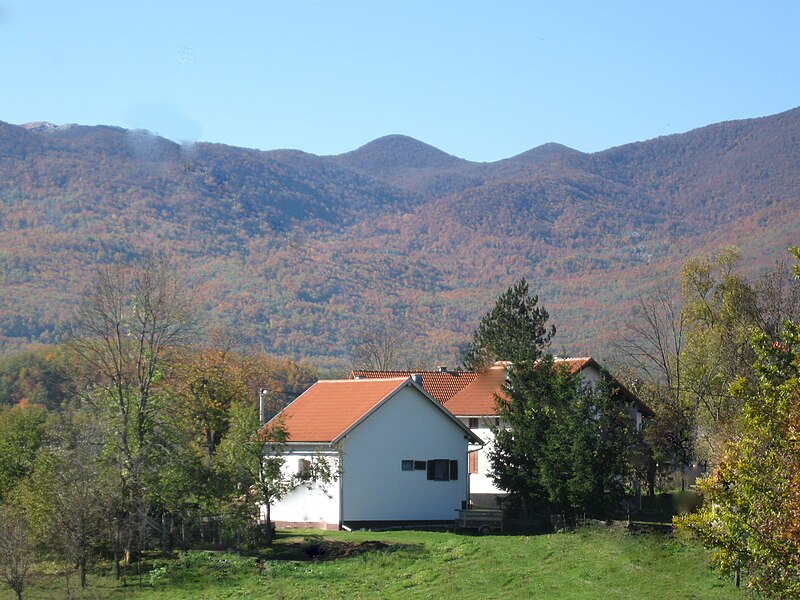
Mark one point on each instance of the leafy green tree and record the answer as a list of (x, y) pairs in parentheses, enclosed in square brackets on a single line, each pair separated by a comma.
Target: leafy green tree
[(255, 457), (211, 385), (64, 496), (750, 514), (720, 309), (562, 449), (514, 330), (22, 432), (36, 376), (684, 356)]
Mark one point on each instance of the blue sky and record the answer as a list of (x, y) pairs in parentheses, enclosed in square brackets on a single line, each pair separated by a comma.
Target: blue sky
[(481, 80)]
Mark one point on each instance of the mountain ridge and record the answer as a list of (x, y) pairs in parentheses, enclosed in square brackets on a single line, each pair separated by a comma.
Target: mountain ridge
[(299, 252)]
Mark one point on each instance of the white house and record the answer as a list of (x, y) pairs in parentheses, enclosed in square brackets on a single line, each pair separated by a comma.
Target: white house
[(401, 456), (472, 397)]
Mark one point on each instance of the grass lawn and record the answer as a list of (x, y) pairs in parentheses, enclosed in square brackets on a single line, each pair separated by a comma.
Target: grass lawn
[(594, 562)]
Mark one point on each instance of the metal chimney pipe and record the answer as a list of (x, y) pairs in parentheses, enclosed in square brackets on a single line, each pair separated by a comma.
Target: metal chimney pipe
[(262, 405)]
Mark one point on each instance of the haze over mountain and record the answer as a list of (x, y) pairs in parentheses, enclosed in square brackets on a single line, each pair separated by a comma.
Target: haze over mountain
[(298, 252)]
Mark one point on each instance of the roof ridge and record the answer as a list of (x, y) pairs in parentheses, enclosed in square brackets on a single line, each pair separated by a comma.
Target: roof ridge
[(415, 371), (373, 380)]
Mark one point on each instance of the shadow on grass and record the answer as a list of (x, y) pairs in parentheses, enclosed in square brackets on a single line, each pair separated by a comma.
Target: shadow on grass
[(316, 547)]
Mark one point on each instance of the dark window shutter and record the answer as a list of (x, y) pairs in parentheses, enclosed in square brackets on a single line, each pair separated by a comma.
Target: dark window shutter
[(431, 469), (453, 470)]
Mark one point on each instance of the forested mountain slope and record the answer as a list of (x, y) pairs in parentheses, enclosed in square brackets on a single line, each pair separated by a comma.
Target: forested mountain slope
[(297, 251)]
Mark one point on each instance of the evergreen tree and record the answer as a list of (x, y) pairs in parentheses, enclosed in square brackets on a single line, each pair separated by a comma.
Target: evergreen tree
[(563, 447), (514, 330)]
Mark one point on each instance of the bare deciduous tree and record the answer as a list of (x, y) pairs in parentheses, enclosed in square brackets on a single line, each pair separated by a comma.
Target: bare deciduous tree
[(778, 297), (16, 549), (653, 341), (378, 348), (127, 330)]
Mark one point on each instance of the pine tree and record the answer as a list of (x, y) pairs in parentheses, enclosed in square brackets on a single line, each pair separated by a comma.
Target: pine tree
[(514, 330), (563, 449)]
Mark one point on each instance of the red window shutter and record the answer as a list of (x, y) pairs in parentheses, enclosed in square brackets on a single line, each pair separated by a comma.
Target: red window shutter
[(473, 462)]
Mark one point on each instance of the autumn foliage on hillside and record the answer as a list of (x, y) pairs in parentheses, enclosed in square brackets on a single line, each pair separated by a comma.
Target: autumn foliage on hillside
[(296, 251)]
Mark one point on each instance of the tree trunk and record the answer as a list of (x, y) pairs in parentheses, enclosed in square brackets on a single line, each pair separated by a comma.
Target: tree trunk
[(83, 568), (651, 478), (269, 524), (183, 533), (164, 532)]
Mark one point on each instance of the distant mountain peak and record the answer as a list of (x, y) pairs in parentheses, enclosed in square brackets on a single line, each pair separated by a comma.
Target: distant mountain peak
[(546, 151), (393, 152), (42, 126)]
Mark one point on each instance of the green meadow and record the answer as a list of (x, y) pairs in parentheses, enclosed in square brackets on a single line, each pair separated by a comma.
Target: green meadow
[(593, 562)]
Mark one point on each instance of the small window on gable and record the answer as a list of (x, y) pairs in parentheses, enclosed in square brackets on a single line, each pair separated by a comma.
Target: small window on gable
[(304, 468), (420, 465), (473, 422), (408, 465)]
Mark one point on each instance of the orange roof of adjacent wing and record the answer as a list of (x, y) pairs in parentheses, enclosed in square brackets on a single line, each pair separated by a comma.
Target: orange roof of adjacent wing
[(478, 398), (442, 385), (468, 393), (328, 409), (578, 364)]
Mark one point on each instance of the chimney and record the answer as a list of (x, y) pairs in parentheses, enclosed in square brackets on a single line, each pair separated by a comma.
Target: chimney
[(442, 369), (262, 406), (417, 378)]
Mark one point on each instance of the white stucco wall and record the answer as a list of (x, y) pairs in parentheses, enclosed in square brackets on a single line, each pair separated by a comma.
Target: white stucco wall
[(310, 503), (374, 486), (590, 375), (481, 482)]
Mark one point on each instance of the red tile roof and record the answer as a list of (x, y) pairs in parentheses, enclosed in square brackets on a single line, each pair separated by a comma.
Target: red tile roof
[(328, 409), (478, 398), (442, 385), (467, 393), (579, 364)]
